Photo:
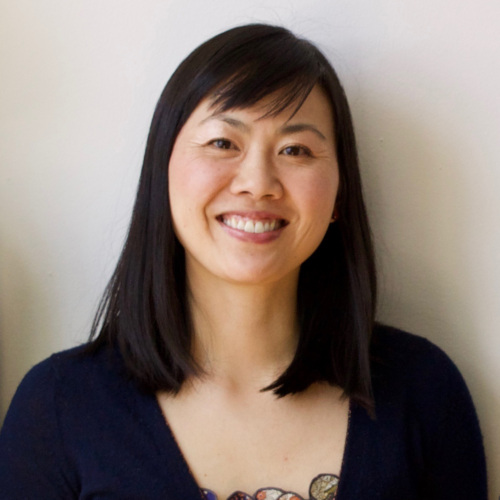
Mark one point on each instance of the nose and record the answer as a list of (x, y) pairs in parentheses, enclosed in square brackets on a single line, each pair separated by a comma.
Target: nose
[(256, 176)]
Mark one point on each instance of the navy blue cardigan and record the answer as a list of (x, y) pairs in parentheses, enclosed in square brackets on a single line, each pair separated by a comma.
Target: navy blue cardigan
[(79, 428)]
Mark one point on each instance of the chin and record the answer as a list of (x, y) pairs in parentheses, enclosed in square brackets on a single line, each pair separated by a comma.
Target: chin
[(259, 276)]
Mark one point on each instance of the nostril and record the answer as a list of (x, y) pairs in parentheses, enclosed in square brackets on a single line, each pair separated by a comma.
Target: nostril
[(259, 185)]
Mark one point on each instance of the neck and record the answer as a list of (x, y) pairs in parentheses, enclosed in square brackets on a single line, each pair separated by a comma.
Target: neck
[(244, 335)]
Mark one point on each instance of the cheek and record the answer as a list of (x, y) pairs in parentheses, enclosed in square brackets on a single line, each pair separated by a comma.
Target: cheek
[(193, 183), (319, 193), (181, 182)]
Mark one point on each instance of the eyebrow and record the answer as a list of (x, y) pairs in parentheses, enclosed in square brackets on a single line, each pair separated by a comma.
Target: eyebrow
[(291, 128), (227, 119)]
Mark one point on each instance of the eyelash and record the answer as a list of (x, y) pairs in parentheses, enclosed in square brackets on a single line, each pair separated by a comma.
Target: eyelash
[(222, 143), (305, 151), (226, 144)]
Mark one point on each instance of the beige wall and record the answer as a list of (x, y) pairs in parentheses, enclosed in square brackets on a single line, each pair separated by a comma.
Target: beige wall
[(79, 80)]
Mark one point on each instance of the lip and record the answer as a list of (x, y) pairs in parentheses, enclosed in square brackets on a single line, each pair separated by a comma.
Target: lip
[(255, 215)]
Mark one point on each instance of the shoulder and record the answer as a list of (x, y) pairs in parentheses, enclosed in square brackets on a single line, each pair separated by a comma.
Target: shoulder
[(410, 372), (396, 351), (73, 381), (33, 455), (71, 390), (422, 400), (73, 369)]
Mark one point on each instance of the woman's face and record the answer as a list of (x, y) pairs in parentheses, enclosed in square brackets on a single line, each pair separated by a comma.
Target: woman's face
[(252, 196)]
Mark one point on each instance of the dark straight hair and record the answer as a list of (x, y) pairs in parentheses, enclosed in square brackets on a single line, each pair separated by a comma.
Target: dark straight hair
[(144, 311)]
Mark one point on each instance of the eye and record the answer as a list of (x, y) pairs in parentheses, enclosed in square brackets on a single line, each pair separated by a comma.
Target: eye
[(296, 151), (222, 144)]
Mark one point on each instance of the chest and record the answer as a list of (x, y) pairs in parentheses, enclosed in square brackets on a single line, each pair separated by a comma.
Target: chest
[(126, 451), (248, 444)]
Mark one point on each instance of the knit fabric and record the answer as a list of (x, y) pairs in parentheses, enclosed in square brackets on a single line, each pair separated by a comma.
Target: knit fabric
[(79, 428)]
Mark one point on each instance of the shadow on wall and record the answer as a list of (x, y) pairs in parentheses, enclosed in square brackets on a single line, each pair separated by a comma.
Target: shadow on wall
[(27, 315), (415, 187), (422, 212)]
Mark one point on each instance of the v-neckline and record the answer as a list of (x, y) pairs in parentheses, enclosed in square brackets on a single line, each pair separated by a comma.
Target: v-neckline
[(351, 465), (164, 440)]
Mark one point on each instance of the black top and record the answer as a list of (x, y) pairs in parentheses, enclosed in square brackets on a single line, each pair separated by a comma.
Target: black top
[(79, 428)]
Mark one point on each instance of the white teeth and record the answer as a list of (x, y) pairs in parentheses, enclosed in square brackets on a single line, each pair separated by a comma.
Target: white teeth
[(259, 227), (250, 226)]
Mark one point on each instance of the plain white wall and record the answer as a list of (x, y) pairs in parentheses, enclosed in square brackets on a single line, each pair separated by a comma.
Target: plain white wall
[(79, 81)]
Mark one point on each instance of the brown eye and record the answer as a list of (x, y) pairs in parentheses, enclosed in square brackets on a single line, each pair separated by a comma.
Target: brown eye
[(296, 151), (222, 144)]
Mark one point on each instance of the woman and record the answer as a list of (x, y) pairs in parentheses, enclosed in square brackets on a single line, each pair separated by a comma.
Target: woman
[(235, 353)]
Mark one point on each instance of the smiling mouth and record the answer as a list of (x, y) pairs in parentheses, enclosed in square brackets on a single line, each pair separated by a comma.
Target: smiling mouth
[(249, 225)]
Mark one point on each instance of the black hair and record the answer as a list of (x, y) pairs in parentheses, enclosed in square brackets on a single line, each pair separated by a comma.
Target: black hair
[(144, 311)]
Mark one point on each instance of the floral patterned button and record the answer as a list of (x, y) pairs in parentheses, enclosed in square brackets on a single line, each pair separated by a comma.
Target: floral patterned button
[(323, 487), (239, 495)]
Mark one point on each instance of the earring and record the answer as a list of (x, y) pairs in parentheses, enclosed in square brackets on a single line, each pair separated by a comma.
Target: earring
[(335, 216)]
